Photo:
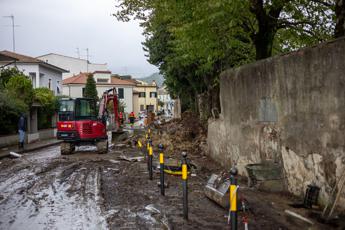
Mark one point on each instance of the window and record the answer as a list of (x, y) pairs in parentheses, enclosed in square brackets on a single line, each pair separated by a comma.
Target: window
[(153, 94), (83, 91), (142, 94), (33, 79), (102, 80), (49, 83), (141, 107), (120, 91)]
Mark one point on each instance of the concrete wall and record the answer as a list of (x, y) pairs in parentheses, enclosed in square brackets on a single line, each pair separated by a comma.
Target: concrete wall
[(288, 109), (13, 139)]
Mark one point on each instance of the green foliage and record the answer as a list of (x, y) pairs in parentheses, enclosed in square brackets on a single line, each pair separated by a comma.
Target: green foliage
[(193, 41), (10, 107), (19, 86), (7, 73), (49, 104), (90, 88)]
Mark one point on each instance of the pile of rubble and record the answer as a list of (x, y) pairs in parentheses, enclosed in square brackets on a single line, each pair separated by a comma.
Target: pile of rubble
[(185, 134)]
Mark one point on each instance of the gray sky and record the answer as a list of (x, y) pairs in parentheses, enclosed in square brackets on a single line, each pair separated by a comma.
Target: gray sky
[(60, 26)]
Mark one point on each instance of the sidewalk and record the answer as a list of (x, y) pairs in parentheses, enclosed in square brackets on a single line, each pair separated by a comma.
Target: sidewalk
[(5, 151)]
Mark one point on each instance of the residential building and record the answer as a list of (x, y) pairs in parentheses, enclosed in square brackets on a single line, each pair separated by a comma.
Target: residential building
[(72, 64), (42, 74), (164, 97), (75, 86), (145, 96)]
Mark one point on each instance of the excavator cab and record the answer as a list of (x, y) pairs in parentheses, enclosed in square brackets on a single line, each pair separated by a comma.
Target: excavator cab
[(79, 122)]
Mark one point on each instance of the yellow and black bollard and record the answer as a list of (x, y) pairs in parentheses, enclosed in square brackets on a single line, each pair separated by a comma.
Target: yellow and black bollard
[(185, 185), (161, 166), (233, 198), (147, 152), (150, 161)]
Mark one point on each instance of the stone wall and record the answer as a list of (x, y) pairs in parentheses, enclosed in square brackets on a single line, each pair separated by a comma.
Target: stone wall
[(287, 109)]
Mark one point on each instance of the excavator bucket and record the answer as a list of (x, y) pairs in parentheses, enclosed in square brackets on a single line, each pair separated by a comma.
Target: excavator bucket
[(217, 189)]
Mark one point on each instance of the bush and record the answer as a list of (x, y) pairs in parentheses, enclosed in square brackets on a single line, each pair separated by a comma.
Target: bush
[(48, 102), (11, 108)]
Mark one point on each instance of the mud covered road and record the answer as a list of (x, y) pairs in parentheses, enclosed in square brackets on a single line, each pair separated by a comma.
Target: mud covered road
[(44, 190)]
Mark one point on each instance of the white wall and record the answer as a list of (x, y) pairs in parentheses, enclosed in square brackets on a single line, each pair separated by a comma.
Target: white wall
[(30, 68), (73, 90), (55, 76), (76, 91), (74, 65)]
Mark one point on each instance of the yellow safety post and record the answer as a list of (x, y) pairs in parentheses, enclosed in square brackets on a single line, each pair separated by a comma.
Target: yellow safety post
[(147, 153), (233, 198), (150, 161), (140, 145), (185, 185), (161, 164)]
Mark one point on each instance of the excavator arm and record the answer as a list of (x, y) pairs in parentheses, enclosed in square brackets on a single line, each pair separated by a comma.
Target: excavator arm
[(110, 96)]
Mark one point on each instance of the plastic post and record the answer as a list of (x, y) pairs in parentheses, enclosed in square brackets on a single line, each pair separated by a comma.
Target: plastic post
[(150, 162), (161, 163), (233, 198), (185, 185)]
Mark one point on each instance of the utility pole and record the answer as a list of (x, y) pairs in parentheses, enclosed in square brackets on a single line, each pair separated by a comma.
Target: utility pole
[(78, 52), (87, 60), (13, 37)]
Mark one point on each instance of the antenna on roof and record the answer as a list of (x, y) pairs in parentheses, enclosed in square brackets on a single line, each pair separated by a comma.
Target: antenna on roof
[(87, 60), (78, 52), (13, 37)]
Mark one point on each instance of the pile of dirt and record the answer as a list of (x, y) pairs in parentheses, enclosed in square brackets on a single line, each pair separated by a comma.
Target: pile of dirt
[(185, 134)]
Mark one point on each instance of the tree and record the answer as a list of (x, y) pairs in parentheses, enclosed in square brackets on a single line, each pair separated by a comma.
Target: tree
[(19, 86), (340, 18), (193, 41), (45, 97), (16, 96), (90, 88)]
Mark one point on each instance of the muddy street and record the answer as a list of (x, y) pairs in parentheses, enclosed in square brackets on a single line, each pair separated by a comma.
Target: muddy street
[(85, 190)]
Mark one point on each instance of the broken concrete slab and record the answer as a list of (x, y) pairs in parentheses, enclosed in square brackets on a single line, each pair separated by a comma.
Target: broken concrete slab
[(217, 189)]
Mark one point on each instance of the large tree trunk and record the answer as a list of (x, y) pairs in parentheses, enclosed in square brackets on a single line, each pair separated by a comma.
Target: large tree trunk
[(268, 25), (340, 18), (264, 42)]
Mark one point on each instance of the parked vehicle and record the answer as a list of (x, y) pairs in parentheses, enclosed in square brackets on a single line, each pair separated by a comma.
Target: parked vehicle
[(79, 122)]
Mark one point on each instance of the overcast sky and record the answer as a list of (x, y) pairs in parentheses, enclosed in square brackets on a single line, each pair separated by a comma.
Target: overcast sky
[(60, 26)]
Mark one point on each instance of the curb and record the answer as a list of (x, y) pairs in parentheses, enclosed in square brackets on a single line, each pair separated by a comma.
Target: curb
[(31, 149)]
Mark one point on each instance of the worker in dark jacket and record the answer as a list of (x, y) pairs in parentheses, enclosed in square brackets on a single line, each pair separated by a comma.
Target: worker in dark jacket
[(21, 130)]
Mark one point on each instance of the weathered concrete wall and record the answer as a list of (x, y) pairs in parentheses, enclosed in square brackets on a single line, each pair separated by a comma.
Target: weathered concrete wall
[(288, 109)]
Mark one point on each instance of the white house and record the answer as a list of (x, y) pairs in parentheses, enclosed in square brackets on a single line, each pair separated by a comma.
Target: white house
[(164, 97), (42, 74), (75, 86), (73, 65)]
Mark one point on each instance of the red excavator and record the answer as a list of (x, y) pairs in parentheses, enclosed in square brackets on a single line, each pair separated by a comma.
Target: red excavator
[(80, 124)]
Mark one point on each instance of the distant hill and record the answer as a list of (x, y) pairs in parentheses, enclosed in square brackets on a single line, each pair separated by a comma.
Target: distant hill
[(155, 76)]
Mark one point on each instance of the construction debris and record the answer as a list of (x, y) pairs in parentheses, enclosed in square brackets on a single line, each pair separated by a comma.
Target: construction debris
[(217, 189), (291, 213), (130, 159)]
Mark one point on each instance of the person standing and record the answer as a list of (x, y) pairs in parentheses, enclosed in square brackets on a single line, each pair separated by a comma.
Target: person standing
[(21, 130), (121, 118), (131, 118)]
